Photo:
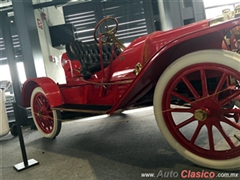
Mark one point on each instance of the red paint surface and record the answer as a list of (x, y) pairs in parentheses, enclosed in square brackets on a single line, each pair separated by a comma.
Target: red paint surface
[(154, 51)]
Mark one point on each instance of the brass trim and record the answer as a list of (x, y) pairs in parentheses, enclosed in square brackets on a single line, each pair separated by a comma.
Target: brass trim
[(237, 11), (138, 68), (200, 115), (227, 14)]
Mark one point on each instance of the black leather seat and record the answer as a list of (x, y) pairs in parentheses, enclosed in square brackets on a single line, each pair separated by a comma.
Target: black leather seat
[(89, 56)]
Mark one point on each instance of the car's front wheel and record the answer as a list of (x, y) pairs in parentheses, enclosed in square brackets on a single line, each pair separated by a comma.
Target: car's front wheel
[(45, 119)]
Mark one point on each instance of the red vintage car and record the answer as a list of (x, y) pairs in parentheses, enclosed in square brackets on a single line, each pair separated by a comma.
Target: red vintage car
[(190, 75)]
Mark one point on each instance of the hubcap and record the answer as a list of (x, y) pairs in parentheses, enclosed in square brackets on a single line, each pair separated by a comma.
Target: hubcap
[(39, 114), (200, 114)]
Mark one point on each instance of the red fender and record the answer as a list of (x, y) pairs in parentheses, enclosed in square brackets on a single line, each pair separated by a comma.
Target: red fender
[(196, 38), (50, 88)]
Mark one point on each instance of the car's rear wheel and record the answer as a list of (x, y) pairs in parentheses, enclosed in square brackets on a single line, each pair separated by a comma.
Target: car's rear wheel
[(205, 129), (45, 119)]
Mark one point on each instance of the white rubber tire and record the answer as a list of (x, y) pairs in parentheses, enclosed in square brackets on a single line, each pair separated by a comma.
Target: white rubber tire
[(56, 125), (226, 58)]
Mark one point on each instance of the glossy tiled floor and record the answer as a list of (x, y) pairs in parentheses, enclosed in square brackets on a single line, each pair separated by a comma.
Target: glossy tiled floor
[(105, 148)]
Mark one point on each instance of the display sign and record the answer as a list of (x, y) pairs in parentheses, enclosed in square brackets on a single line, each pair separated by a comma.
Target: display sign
[(40, 24)]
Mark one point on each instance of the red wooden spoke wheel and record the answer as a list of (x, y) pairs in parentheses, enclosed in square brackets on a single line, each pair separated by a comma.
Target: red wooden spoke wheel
[(44, 118), (205, 127)]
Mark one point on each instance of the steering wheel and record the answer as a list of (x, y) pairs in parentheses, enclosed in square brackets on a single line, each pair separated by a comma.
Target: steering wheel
[(110, 26), (110, 30)]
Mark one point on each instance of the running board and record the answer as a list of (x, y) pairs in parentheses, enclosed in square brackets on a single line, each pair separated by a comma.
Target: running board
[(94, 109)]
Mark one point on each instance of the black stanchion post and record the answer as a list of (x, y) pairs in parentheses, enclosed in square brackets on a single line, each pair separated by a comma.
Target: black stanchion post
[(26, 163)]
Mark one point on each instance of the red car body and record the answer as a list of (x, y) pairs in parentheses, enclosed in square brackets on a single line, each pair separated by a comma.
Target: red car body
[(155, 52)]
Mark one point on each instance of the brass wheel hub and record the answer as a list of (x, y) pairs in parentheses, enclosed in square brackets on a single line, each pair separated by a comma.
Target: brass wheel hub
[(200, 114), (39, 114)]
